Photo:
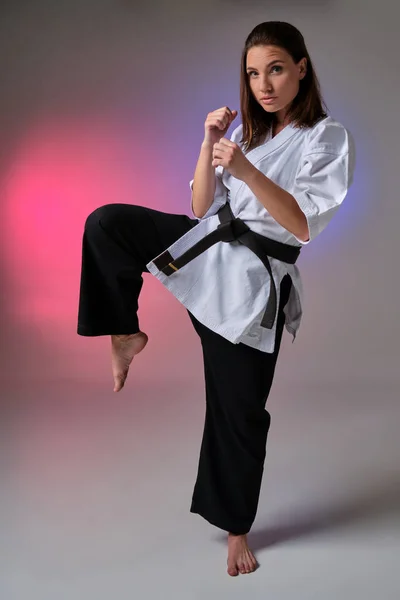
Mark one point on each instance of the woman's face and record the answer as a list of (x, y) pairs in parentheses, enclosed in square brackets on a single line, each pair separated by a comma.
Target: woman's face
[(272, 72)]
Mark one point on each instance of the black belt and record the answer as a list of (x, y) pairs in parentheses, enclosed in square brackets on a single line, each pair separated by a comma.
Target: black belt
[(230, 229)]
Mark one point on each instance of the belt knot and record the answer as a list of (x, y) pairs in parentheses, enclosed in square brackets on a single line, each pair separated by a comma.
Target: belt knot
[(232, 230)]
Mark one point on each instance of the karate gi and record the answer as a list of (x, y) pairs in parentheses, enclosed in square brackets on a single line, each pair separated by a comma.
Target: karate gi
[(225, 291), (227, 287)]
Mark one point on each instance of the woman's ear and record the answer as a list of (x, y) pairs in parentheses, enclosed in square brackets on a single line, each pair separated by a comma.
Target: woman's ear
[(303, 68)]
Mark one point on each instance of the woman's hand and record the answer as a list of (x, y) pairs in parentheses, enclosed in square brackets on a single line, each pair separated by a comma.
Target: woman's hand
[(217, 124), (229, 155)]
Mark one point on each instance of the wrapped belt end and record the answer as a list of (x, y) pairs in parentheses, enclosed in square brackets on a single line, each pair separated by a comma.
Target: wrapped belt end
[(164, 262)]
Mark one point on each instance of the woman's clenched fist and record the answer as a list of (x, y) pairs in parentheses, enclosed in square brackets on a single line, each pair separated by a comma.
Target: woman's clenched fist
[(217, 124)]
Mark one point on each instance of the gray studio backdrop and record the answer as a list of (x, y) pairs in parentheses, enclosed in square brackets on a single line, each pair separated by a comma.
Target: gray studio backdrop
[(104, 101), (158, 68)]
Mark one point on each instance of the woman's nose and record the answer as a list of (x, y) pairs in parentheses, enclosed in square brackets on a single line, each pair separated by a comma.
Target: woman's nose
[(265, 86)]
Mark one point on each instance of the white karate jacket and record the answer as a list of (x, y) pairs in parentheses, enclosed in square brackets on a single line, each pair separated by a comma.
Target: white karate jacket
[(227, 287)]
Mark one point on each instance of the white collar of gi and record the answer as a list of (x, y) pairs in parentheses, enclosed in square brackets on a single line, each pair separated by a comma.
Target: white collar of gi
[(272, 144)]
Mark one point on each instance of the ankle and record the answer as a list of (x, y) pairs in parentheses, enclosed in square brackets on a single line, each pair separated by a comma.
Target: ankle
[(125, 336)]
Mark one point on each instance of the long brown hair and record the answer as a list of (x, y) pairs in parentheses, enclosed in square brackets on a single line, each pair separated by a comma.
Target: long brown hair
[(308, 106)]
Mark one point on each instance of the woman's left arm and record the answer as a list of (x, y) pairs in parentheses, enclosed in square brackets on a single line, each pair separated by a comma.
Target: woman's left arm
[(281, 205), (322, 181)]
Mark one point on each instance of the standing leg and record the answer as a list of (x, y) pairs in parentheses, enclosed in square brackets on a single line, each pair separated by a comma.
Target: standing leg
[(238, 382)]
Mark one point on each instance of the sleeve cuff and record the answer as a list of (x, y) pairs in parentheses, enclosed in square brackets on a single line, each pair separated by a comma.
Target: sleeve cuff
[(220, 198), (307, 209)]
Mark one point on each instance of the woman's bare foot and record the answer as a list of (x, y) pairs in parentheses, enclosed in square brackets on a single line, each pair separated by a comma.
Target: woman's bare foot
[(123, 349), (240, 557)]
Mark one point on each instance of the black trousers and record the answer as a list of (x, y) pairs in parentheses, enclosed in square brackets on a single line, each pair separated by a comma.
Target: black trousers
[(118, 241)]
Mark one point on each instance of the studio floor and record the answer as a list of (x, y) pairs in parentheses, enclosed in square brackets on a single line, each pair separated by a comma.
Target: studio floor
[(96, 489)]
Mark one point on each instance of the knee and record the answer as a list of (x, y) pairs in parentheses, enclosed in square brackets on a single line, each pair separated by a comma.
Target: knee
[(102, 213), (112, 218)]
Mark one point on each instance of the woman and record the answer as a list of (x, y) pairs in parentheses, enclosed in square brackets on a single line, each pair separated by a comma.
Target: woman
[(257, 199)]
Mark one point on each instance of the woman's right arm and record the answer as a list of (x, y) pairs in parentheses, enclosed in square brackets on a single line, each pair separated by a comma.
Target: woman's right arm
[(204, 181)]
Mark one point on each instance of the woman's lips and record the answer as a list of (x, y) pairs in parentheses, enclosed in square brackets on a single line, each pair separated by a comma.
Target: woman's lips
[(269, 100)]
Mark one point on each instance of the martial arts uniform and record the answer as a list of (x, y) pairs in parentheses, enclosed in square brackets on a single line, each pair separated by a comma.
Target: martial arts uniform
[(227, 290)]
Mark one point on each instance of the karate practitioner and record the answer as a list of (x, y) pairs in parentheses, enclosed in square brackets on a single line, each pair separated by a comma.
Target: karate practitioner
[(258, 197)]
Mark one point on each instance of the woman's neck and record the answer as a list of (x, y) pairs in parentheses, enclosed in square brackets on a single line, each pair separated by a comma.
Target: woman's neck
[(277, 126)]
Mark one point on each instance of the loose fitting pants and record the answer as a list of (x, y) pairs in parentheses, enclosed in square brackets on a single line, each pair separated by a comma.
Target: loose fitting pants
[(118, 241)]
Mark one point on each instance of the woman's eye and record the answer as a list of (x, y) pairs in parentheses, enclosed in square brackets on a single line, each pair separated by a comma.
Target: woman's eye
[(274, 67)]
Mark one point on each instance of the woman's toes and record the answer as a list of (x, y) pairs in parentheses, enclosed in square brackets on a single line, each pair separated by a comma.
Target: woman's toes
[(251, 564), (232, 570)]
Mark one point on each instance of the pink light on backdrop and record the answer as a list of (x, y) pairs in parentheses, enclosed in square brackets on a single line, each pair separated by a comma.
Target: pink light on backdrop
[(60, 173)]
